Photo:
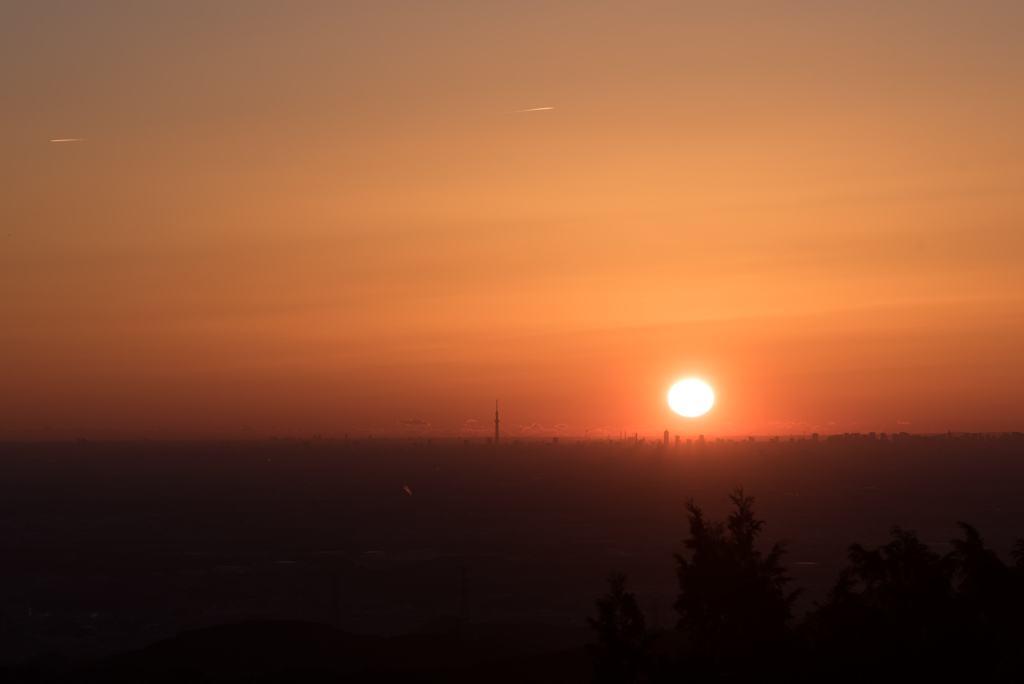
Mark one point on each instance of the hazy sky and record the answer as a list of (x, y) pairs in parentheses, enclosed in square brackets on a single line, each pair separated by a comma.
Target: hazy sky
[(299, 217)]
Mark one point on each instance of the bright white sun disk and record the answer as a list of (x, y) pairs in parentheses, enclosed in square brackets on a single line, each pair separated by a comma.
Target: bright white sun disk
[(691, 398)]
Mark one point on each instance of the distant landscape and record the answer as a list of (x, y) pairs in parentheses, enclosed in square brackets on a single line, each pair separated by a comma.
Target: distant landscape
[(113, 546)]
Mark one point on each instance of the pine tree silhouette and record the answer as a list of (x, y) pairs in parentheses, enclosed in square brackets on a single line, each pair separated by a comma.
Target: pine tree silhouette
[(620, 655), (732, 605)]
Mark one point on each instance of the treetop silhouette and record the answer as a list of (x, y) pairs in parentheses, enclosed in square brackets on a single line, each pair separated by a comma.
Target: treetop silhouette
[(622, 638), (732, 597)]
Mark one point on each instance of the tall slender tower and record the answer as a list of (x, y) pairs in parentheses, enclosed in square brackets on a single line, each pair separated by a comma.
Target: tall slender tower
[(495, 422)]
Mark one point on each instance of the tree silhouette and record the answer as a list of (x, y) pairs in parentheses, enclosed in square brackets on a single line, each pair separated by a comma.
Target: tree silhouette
[(620, 654), (732, 603), (986, 583), (990, 598), (1018, 554), (905, 609), (900, 609)]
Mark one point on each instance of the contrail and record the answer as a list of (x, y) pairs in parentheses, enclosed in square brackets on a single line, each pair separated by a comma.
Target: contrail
[(535, 109), (70, 140)]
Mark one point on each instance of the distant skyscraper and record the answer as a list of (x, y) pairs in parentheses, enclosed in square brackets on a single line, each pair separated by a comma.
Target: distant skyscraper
[(495, 422), (666, 437)]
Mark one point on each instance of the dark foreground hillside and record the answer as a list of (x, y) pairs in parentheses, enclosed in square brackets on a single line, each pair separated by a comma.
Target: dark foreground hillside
[(284, 651)]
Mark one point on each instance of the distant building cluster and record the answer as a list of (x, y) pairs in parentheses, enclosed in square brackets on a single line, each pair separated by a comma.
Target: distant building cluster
[(667, 441)]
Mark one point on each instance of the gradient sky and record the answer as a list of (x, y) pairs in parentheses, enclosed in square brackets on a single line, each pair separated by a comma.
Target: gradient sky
[(326, 217)]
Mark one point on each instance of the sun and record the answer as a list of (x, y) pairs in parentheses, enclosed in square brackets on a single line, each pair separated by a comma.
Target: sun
[(691, 398)]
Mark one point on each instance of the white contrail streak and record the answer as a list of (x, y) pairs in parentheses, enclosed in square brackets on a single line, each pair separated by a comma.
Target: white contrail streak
[(70, 140), (535, 109)]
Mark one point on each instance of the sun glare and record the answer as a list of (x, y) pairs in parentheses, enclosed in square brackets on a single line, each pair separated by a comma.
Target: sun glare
[(691, 398)]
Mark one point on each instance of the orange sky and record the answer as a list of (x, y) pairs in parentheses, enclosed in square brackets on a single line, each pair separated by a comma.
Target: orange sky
[(328, 217)]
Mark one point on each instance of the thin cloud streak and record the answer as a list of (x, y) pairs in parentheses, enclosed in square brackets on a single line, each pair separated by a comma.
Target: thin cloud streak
[(70, 140), (535, 109)]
